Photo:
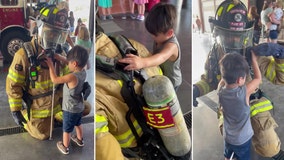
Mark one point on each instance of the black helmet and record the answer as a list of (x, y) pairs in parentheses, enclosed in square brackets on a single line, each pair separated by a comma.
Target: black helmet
[(232, 14), (55, 27), (54, 16), (232, 27)]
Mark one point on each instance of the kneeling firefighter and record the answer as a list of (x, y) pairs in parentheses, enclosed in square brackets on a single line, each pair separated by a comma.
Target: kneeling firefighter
[(125, 125), (233, 33), (34, 100)]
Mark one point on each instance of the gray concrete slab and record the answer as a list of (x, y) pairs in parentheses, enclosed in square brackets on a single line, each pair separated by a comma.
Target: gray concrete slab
[(23, 146), (207, 140)]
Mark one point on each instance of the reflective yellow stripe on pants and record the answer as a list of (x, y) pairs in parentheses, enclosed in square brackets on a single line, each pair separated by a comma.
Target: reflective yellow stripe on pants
[(45, 113), (42, 113)]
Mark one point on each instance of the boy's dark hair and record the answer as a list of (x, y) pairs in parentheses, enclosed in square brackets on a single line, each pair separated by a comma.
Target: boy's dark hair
[(78, 54), (233, 66), (161, 18)]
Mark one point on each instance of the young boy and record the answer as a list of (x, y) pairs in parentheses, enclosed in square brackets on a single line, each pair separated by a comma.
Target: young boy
[(234, 96), (160, 22), (72, 105)]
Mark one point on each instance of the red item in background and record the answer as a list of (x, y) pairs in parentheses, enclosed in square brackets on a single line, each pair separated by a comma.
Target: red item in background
[(151, 4)]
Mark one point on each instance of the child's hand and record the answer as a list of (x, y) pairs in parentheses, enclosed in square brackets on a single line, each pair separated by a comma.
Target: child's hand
[(59, 57), (48, 61), (134, 62), (221, 84)]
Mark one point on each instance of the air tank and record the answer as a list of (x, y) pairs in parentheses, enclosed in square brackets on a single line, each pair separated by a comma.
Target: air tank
[(163, 113)]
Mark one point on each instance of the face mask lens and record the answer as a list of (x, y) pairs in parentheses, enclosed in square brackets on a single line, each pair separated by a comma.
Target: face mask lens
[(50, 37), (234, 40), (63, 37)]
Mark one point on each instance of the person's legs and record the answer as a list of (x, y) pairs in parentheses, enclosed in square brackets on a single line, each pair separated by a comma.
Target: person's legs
[(139, 6), (227, 150), (108, 11), (79, 132), (66, 139), (109, 16), (132, 6), (68, 127), (122, 3), (78, 138), (141, 10), (103, 16), (240, 152)]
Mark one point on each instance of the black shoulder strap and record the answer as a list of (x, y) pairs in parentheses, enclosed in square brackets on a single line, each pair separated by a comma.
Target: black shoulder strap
[(116, 71), (149, 142), (134, 102)]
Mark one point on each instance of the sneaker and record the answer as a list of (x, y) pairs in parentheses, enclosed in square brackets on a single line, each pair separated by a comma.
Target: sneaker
[(77, 141), (103, 17), (123, 17), (132, 16), (138, 16), (109, 17), (141, 18), (62, 148)]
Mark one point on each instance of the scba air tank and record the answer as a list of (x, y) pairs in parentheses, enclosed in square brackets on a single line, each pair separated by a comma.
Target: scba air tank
[(163, 112)]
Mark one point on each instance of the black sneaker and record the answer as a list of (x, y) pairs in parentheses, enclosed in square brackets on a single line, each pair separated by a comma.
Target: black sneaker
[(62, 148), (77, 141)]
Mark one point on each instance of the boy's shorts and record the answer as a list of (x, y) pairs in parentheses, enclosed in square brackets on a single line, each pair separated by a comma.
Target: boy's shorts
[(241, 152), (70, 120), (273, 34)]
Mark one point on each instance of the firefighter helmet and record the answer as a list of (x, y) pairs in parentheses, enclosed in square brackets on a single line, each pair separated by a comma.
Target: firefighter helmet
[(232, 14), (54, 16), (232, 27), (55, 27)]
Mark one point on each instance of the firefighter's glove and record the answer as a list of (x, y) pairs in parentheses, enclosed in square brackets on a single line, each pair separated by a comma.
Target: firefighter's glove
[(195, 95), (86, 90), (248, 55), (18, 118), (269, 49), (58, 49)]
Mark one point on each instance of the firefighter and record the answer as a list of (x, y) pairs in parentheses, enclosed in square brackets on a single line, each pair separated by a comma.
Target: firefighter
[(111, 124), (114, 131), (233, 34), (31, 93)]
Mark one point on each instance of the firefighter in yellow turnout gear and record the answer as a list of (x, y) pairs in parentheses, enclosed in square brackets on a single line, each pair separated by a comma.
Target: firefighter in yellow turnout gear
[(112, 130), (40, 112), (28, 81), (233, 34)]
